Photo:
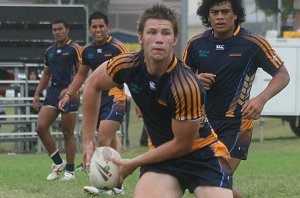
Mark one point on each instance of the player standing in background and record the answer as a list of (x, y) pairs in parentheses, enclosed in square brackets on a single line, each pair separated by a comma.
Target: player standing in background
[(226, 58), (62, 60), (113, 101), (186, 153)]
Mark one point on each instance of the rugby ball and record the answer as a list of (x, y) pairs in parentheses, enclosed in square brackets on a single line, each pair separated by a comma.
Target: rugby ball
[(103, 173)]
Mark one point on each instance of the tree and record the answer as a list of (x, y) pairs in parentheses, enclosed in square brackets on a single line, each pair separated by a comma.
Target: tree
[(286, 8), (99, 5)]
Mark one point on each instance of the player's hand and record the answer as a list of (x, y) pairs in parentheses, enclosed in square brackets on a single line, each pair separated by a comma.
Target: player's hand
[(126, 168), (63, 93), (138, 112), (63, 102), (253, 108), (36, 103), (88, 150), (207, 80)]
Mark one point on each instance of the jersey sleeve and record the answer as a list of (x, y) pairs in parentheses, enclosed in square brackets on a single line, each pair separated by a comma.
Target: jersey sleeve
[(266, 58), (188, 56), (187, 100), (118, 68)]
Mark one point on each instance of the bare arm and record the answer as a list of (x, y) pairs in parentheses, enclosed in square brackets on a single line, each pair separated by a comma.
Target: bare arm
[(44, 81), (96, 82), (253, 108), (185, 132)]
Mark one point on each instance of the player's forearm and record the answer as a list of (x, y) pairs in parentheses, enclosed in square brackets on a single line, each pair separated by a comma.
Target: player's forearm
[(76, 84), (276, 85), (90, 109), (167, 151), (44, 81)]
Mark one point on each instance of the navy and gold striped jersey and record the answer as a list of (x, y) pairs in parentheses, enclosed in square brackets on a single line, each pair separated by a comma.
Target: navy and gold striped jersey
[(61, 62), (234, 61), (177, 94), (94, 55)]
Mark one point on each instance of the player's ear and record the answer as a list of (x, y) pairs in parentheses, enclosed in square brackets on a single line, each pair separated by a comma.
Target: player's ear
[(140, 38), (175, 40)]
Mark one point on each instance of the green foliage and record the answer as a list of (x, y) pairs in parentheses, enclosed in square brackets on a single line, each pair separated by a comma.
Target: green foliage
[(286, 9)]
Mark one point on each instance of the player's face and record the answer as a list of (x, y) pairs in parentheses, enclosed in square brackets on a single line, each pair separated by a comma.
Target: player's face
[(158, 39), (99, 31), (60, 32), (222, 18)]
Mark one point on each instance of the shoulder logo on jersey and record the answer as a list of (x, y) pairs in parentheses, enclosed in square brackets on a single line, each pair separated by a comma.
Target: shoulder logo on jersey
[(203, 53), (65, 53), (135, 88), (220, 47), (99, 51), (152, 85)]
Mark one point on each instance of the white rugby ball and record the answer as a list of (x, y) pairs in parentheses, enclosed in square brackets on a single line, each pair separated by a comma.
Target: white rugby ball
[(103, 173)]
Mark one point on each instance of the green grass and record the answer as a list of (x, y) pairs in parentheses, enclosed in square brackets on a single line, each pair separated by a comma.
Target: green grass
[(271, 171)]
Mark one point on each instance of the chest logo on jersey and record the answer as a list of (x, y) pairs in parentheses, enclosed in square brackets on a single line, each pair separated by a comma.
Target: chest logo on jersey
[(203, 53), (109, 54), (220, 47), (66, 54), (152, 85), (135, 88), (58, 51), (90, 56), (162, 102), (235, 54), (99, 51)]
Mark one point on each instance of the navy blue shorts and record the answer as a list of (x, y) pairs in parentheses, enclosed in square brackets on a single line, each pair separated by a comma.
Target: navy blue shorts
[(235, 133), (52, 99), (114, 110), (199, 168)]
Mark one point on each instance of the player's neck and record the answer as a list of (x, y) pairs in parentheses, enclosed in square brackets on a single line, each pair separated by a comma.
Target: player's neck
[(62, 42), (158, 68)]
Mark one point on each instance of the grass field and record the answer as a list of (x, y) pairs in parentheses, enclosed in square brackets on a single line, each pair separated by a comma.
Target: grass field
[(271, 171)]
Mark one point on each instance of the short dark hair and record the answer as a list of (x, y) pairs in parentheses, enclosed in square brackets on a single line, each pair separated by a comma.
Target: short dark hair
[(56, 21), (237, 7), (159, 11), (98, 15)]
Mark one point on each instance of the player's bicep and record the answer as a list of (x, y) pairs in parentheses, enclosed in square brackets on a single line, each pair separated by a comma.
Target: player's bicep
[(99, 78), (185, 132)]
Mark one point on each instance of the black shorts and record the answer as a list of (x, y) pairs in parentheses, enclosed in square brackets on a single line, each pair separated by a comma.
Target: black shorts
[(113, 111), (52, 99), (199, 168), (235, 133)]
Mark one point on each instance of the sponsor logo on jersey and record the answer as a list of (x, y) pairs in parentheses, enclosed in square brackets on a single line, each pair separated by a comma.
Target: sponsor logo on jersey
[(235, 54), (162, 102), (135, 88), (219, 47), (90, 56), (203, 53), (99, 51), (108, 55)]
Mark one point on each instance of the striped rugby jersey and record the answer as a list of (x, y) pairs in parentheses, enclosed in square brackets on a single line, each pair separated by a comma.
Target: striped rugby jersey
[(234, 61), (177, 94)]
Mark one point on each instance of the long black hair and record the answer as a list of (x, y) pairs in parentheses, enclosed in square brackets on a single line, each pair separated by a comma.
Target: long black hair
[(237, 7)]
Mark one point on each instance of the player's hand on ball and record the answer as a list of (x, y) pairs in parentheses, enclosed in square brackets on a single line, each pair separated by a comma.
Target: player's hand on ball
[(126, 168)]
